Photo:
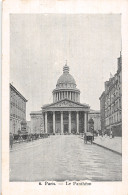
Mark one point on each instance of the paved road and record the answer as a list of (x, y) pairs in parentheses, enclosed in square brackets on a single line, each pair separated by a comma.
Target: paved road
[(63, 158)]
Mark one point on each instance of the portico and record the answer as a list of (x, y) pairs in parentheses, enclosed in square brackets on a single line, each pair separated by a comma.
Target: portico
[(65, 117)]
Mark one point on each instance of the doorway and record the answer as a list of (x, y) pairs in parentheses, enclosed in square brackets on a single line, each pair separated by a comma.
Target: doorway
[(65, 128)]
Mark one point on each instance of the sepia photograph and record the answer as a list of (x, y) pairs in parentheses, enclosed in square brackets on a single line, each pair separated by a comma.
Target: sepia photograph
[(65, 97)]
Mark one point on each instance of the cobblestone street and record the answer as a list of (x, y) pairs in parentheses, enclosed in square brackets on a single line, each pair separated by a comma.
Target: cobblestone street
[(64, 157)]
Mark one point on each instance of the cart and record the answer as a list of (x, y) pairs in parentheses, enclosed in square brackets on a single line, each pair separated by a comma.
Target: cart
[(88, 137)]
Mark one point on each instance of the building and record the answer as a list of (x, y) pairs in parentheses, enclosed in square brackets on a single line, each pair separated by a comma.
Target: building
[(37, 122), (66, 114), (17, 110), (112, 107), (102, 111), (28, 127)]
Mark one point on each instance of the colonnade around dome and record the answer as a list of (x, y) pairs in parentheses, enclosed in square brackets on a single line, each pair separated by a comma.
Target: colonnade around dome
[(62, 94)]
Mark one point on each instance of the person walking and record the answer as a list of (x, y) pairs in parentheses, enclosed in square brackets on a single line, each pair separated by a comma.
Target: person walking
[(111, 134), (11, 140), (85, 138)]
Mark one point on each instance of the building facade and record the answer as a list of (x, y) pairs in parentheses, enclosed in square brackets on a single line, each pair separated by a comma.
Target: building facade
[(17, 110), (37, 122), (66, 114), (113, 102), (102, 111)]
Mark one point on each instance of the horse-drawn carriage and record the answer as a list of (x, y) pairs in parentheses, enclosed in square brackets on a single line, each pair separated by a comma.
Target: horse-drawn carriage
[(88, 136)]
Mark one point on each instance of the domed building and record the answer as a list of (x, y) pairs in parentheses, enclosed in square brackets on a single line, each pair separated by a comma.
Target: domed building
[(66, 115)]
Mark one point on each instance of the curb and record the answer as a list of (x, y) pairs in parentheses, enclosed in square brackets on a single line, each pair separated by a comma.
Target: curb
[(106, 148)]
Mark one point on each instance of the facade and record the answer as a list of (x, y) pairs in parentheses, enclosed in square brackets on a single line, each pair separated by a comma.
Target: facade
[(37, 122), (17, 110), (66, 114), (28, 127), (102, 111), (113, 102)]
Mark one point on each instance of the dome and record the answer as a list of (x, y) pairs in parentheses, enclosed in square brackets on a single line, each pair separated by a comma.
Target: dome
[(66, 87), (66, 77)]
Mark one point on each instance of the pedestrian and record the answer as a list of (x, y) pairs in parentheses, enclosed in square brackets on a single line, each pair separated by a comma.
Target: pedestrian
[(11, 140), (85, 138), (111, 134)]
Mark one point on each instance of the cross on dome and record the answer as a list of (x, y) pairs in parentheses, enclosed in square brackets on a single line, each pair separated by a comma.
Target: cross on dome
[(66, 68)]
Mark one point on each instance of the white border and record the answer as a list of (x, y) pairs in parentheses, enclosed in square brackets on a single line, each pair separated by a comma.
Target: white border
[(62, 6)]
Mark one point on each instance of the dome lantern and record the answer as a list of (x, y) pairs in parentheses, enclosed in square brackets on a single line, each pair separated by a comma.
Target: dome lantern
[(66, 68)]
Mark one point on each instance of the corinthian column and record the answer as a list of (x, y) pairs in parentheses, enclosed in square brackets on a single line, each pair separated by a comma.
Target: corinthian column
[(54, 126), (77, 121), (62, 122), (85, 122), (70, 95), (46, 130), (69, 122)]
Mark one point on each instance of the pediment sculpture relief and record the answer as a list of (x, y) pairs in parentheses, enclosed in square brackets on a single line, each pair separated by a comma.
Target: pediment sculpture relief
[(66, 104)]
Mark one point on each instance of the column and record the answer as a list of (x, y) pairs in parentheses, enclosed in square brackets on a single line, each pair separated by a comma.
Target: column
[(56, 96), (77, 97), (54, 124), (77, 121), (61, 122), (46, 130), (85, 122), (64, 94), (69, 122), (70, 95)]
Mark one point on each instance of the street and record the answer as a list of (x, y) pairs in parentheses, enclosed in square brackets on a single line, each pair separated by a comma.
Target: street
[(63, 157)]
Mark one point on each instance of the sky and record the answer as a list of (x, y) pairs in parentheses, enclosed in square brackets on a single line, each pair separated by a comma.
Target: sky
[(40, 44)]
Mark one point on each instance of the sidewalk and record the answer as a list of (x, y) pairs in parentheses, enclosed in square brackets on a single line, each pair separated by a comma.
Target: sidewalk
[(18, 145), (113, 144)]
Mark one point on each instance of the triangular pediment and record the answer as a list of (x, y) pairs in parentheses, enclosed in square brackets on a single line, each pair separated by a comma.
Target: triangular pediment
[(66, 103)]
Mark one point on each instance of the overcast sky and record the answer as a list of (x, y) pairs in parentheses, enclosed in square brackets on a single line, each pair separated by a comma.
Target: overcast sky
[(41, 44)]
